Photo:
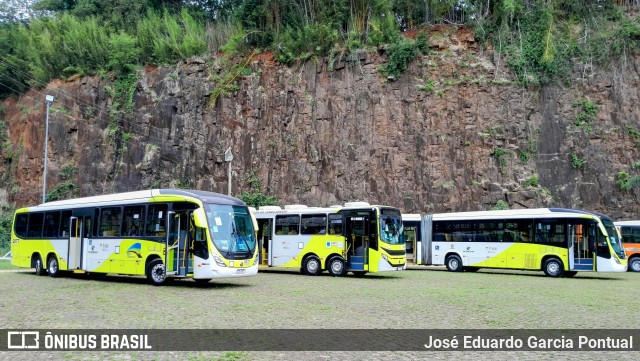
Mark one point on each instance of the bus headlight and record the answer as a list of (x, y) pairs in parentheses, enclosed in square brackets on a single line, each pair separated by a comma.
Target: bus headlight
[(219, 261)]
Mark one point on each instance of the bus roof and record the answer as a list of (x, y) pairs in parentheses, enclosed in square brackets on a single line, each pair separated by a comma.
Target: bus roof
[(303, 209), (137, 197), (518, 213), (411, 216), (627, 223)]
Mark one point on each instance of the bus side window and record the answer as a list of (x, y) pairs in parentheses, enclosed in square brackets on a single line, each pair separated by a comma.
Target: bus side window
[(36, 221), (64, 225), (335, 224), (156, 220), (110, 221), (602, 247), (51, 224), (287, 224)]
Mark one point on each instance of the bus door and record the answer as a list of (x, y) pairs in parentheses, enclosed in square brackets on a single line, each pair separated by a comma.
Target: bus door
[(177, 258), (79, 228), (411, 235), (357, 238), (265, 228), (582, 238)]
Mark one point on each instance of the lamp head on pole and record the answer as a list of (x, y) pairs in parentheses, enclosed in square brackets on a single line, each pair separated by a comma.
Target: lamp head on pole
[(228, 156), (49, 98)]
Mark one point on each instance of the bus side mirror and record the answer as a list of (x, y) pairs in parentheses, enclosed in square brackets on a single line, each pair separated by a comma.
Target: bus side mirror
[(200, 218)]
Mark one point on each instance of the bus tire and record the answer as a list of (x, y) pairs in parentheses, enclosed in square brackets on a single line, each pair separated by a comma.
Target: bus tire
[(53, 267), (569, 274), (454, 263), (337, 267), (634, 264), (156, 273), (553, 267), (40, 270), (311, 266)]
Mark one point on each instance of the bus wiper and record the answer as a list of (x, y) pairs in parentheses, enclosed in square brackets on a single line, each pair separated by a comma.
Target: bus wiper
[(235, 235)]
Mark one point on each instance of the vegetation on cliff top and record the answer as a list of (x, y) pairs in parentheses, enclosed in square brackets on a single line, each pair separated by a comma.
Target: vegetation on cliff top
[(540, 40)]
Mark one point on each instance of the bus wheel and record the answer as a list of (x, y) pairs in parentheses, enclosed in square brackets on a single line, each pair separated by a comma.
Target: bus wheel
[(311, 266), (40, 271), (156, 272), (454, 263), (553, 267), (337, 266), (570, 274), (634, 264), (53, 268)]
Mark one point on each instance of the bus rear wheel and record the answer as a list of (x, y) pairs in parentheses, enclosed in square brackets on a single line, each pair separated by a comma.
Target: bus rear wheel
[(156, 272), (311, 266), (337, 266), (634, 264), (40, 271), (53, 267), (454, 263), (553, 267)]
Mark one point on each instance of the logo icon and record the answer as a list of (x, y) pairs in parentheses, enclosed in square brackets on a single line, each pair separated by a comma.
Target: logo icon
[(21, 340), (135, 250)]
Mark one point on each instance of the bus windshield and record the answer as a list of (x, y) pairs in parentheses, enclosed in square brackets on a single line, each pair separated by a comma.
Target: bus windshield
[(231, 230), (391, 229), (614, 238)]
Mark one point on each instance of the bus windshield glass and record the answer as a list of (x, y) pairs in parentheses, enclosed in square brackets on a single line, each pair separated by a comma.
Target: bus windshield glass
[(614, 237), (391, 229), (231, 230)]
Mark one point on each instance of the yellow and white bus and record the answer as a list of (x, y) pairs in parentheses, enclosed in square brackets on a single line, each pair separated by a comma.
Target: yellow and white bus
[(159, 233), (554, 240), (357, 237)]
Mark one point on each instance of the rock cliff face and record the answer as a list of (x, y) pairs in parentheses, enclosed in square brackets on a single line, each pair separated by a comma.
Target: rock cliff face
[(454, 133)]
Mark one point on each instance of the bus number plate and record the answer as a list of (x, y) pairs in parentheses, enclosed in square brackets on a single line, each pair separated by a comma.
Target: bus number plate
[(241, 271)]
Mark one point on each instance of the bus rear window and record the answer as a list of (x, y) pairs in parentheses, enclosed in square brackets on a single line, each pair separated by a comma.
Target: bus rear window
[(20, 227)]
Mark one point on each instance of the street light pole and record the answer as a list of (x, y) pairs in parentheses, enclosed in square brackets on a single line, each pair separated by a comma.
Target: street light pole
[(228, 157), (48, 100)]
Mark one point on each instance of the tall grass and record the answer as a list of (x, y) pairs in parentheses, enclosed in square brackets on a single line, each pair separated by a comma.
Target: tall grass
[(170, 38), (35, 52)]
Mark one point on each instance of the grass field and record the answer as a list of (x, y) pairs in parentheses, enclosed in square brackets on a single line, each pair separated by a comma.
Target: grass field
[(416, 298), (6, 264)]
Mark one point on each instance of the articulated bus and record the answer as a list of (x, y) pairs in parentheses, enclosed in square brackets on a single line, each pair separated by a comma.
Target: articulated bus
[(356, 237), (556, 241), (630, 232), (159, 233)]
